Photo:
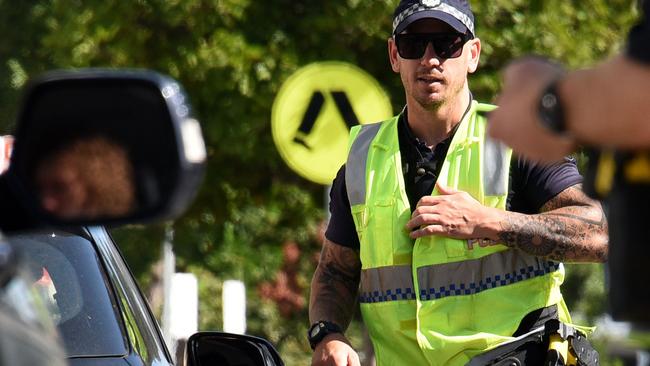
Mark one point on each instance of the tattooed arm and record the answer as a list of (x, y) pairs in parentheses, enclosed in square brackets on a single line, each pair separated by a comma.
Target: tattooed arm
[(571, 227), (334, 290), (335, 285)]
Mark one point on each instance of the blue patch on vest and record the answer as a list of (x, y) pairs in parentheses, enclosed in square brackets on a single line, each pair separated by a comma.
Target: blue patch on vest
[(462, 288), (389, 295), (488, 282)]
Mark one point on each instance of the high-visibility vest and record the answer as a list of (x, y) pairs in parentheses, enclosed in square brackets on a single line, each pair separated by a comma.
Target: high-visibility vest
[(437, 300)]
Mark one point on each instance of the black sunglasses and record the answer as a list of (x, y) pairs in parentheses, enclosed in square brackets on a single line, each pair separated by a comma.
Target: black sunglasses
[(446, 45)]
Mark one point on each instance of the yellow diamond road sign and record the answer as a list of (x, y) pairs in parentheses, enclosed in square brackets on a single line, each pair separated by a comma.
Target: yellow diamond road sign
[(314, 111)]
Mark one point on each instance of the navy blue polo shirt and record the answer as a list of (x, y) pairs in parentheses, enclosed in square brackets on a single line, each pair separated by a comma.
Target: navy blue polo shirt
[(531, 184), (638, 46)]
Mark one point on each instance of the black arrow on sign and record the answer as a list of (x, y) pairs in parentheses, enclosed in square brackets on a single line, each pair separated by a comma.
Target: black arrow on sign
[(308, 120), (314, 108), (345, 108)]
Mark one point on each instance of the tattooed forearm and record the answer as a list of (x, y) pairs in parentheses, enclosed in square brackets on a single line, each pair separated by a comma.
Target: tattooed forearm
[(602, 223), (571, 228), (335, 285), (535, 235)]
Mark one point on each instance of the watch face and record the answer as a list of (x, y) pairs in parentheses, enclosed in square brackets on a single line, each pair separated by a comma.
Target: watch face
[(549, 101), (315, 330), (550, 110)]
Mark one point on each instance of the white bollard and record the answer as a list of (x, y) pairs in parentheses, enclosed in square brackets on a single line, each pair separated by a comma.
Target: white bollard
[(184, 306), (234, 307)]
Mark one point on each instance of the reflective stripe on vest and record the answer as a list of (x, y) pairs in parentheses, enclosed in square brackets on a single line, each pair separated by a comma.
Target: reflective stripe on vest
[(355, 169), (473, 276), (495, 176), (394, 283), (390, 283)]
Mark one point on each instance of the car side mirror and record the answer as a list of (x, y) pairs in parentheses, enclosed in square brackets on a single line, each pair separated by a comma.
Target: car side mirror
[(96, 146), (216, 348)]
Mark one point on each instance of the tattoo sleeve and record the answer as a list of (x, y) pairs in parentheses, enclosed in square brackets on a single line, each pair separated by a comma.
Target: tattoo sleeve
[(571, 227), (335, 285)]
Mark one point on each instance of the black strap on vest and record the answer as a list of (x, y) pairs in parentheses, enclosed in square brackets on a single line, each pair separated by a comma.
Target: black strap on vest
[(535, 319), (533, 349)]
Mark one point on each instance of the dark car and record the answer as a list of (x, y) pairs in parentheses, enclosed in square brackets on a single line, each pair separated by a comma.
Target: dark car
[(95, 302), (97, 147), (92, 298)]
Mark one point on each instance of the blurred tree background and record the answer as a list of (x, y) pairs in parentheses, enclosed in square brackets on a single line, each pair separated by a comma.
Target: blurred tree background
[(254, 219)]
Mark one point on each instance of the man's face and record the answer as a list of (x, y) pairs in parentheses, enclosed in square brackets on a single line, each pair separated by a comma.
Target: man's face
[(61, 188), (432, 81)]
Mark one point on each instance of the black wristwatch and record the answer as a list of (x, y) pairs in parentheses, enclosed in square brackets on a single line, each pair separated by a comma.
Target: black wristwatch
[(550, 110), (319, 330)]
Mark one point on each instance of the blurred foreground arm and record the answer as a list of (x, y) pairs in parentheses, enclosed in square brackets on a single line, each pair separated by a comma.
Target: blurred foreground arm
[(608, 105)]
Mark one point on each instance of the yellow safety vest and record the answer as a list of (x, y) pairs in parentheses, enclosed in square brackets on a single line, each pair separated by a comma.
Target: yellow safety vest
[(437, 300)]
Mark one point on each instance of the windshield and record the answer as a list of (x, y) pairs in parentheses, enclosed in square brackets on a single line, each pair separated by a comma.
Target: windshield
[(70, 276)]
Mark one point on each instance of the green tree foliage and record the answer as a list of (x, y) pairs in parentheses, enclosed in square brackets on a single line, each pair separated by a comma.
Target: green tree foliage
[(232, 56)]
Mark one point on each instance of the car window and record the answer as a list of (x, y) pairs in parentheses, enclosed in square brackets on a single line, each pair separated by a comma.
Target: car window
[(68, 272)]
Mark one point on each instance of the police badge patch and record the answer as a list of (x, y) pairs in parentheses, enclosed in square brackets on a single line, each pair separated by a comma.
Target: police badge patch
[(431, 3)]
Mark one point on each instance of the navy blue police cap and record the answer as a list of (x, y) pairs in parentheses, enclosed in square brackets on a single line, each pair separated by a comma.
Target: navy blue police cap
[(457, 13)]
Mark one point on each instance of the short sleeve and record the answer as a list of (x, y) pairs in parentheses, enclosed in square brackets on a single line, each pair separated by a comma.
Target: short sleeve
[(534, 184), (638, 46), (341, 229)]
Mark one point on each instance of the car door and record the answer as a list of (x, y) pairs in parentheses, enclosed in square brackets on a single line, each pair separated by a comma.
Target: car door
[(143, 331), (92, 298)]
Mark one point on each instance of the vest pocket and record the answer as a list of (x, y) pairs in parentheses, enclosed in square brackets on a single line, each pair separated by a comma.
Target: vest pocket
[(383, 217), (360, 217), (456, 248), (380, 231)]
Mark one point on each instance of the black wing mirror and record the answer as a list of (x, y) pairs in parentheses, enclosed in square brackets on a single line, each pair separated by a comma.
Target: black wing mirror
[(104, 146), (216, 348)]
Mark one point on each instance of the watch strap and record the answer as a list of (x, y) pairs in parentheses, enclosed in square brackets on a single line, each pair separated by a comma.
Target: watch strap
[(320, 330), (550, 109)]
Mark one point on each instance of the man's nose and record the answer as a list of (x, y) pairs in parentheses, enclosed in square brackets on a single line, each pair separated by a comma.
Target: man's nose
[(430, 55)]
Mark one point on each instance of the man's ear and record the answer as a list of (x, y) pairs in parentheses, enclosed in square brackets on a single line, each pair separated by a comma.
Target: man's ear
[(393, 56), (473, 55)]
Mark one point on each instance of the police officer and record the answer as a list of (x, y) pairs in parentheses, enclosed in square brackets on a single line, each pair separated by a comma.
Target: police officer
[(450, 244)]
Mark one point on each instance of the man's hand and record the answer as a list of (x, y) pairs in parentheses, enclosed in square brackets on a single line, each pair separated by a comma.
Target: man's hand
[(453, 214), (607, 105), (334, 350), (515, 121)]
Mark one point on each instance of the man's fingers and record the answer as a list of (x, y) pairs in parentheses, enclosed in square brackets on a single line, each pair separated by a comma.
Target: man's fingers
[(427, 231), (425, 208), (423, 219), (443, 189), (430, 201)]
